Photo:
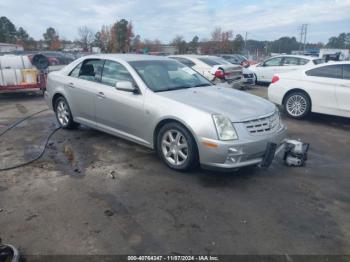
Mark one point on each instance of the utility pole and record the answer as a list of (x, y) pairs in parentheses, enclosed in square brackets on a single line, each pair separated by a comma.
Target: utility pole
[(303, 33), (245, 43)]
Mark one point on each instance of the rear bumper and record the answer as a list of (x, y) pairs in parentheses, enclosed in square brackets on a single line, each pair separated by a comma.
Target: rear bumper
[(233, 155)]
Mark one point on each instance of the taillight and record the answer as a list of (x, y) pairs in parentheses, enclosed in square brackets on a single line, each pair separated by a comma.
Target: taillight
[(275, 78), (220, 74)]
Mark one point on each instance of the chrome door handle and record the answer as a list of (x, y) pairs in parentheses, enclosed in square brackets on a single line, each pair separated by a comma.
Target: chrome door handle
[(101, 95), (344, 86), (71, 85)]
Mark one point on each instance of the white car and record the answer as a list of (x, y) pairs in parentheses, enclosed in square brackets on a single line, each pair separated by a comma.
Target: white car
[(323, 89), (212, 68), (265, 70)]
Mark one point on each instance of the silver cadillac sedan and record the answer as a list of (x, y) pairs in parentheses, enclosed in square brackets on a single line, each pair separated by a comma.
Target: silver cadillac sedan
[(164, 105)]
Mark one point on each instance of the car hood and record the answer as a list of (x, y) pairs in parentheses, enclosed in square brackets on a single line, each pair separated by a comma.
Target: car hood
[(238, 106)]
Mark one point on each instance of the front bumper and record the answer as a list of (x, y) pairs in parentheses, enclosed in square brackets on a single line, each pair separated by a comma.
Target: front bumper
[(232, 155), (248, 80)]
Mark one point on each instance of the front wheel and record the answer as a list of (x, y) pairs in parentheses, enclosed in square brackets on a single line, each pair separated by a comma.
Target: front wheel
[(297, 105), (176, 147), (63, 114)]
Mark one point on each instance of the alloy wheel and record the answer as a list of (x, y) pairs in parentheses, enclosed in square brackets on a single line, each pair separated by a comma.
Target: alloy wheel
[(296, 105), (62, 113), (174, 147)]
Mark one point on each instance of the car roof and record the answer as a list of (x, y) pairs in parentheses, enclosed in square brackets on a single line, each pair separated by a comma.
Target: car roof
[(195, 56), (126, 57), (297, 56), (330, 63)]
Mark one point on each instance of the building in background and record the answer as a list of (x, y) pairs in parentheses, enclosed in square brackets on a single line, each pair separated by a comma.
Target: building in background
[(6, 48)]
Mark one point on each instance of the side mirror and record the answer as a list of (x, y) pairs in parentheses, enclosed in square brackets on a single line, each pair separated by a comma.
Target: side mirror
[(125, 86)]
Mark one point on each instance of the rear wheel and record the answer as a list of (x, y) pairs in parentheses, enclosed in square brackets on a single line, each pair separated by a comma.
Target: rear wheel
[(63, 114), (297, 105), (177, 147)]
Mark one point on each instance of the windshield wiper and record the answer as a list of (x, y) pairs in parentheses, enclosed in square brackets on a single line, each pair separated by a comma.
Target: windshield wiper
[(181, 87), (173, 88), (199, 85)]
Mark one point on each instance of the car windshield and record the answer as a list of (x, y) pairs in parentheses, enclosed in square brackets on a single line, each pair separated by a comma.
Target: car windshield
[(168, 75)]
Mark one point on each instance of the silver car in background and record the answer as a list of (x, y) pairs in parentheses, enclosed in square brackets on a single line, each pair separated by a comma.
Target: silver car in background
[(164, 105)]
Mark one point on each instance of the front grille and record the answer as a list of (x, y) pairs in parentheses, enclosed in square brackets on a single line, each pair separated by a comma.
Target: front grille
[(263, 126)]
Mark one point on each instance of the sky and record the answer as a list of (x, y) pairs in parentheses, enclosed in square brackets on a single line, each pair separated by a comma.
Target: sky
[(164, 19)]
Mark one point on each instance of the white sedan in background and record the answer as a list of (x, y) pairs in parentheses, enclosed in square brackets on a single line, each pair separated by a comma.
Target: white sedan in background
[(213, 68), (323, 89), (265, 70)]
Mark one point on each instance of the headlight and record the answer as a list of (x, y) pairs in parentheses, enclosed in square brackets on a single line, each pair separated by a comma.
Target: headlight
[(278, 117), (224, 128)]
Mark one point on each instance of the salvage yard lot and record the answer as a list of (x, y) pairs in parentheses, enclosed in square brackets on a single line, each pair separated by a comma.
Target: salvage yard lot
[(93, 193)]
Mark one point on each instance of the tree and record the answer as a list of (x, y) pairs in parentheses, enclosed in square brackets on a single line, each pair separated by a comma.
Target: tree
[(193, 45), (8, 30), (51, 39), (216, 34), (105, 39), (129, 37), (180, 44), (226, 37), (238, 44), (284, 45), (120, 35), (341, 41), (86, 37), (222, 40), (25, 40), (136, 44), (152, 45)]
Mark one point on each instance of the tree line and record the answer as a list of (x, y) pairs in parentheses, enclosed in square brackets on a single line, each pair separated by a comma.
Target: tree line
[(119, 37)]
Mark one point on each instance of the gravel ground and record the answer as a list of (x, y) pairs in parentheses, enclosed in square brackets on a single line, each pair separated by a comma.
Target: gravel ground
[(92, 193)]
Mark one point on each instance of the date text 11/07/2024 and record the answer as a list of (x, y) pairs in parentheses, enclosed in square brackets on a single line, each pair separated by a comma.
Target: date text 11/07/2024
[(173, 258)]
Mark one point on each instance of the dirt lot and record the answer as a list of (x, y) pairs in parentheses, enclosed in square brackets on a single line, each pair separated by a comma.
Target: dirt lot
[(92, 193)]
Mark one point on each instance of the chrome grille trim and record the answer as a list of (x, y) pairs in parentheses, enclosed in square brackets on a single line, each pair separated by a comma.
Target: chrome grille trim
[(264, 125)]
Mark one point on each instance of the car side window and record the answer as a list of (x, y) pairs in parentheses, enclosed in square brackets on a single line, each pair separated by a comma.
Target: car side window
[(273, 61), (303, 61), (290, 61), (332, 71), (88, 70), (75, 72), (114, 72), (346, 72)]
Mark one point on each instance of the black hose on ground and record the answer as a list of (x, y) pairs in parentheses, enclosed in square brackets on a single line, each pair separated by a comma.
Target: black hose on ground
[(42, 151)]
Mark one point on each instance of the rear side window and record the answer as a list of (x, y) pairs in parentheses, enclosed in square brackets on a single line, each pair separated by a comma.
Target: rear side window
[(114, 72), (184, 61), (332, 71), (318, 61), (273, 61), (303, 61), (346, 71), (290, 61)]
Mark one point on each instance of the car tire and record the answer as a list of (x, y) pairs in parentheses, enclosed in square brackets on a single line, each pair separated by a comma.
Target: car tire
[(177, 147), (63, 114), (297, 105), (256, 82)]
